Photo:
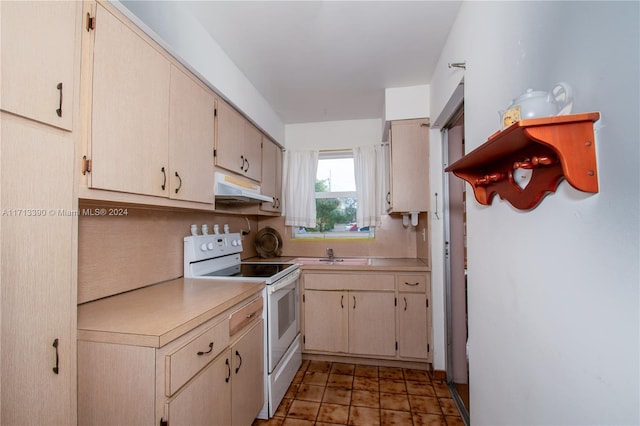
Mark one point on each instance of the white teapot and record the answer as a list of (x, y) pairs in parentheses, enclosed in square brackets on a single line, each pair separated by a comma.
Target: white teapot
[(534, 104)]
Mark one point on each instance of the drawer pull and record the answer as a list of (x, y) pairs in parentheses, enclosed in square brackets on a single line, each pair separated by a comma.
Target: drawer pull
[(228, 371), (411, 284), (239, 365), (251, 314), (207, 352)]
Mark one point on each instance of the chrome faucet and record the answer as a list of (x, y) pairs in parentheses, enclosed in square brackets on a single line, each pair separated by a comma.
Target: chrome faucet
[(330, 253)]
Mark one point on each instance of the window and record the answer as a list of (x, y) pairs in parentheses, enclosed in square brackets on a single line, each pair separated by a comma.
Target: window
[(336, 200)]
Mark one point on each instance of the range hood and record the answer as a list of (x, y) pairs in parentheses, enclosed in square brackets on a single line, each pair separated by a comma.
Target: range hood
[(235, 190)]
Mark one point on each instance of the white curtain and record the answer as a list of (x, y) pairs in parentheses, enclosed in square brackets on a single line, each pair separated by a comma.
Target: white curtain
[(299, 180), (370, 173)]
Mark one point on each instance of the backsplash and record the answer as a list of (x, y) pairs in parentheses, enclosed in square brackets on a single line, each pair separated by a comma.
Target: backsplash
[(144, 246)]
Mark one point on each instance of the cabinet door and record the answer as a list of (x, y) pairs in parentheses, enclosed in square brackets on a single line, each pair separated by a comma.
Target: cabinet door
[(37, 59), (230, 139), (130, 113), (326, 320), (409, 166), (372, 329), (191, 135), (413, 326), (36, 175), (247, 388), (207, 399), (253, 152), (271, 175)]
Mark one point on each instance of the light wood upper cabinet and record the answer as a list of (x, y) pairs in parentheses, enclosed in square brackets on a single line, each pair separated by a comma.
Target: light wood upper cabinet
[(191, 136), (130, 111), (238, 143), (37, 60), (409, 166), (271, 175)]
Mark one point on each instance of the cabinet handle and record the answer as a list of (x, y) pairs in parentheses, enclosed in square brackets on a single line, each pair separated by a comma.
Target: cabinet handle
[(179, 183), (247, 162), (354, 302), (242, 160), (342, 301), (405, 303), (239, 365), (411, 284), (59, 110), (207, 352), (164, 178), (56, 370), (228, 371), (388, 197)]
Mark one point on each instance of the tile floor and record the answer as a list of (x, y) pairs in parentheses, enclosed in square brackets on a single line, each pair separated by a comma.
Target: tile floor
[(326, 393)]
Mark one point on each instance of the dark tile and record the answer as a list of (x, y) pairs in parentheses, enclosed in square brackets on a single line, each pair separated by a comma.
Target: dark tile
[(449, 407), (310, 392), (393, 386), (366, 383), (395, 418), (319, 366), (303, 410), (340, 380), (394, 401), (339, 368), (390, 373), (337, 396), (362, 398), (454, 420), (416, 375), (442, 390), (283, 408), (424, 419), (420, 388), (315, 378), (291, 392), (363, 416), (424, 404), (333, 413), (366, 371)]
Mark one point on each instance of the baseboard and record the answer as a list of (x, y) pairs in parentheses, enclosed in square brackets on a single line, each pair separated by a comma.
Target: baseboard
[(440, 375), (367, 361)]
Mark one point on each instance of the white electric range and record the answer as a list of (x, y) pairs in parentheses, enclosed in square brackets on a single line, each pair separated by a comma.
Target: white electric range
[(217, 257)]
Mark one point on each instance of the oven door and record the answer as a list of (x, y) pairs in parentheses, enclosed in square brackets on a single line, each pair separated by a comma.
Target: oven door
[(283, 316)]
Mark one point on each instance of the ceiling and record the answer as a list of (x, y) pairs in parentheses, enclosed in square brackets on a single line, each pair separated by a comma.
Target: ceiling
[(329, 60)]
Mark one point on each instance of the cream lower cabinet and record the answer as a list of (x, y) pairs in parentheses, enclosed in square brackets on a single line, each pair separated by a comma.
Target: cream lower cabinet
[(376, 315), (342, 316), (213, 375), (414, 316), (236, 376)]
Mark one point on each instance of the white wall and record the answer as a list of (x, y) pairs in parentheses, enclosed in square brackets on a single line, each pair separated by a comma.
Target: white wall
[(553, 292), (183, 36), (402, 103), (329, 135)]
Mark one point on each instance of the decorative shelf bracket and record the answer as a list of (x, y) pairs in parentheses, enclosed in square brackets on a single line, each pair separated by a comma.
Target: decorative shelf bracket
[(553, 148)]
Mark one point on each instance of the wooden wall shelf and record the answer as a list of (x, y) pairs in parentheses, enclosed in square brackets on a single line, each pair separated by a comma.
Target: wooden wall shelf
[(552, 147)]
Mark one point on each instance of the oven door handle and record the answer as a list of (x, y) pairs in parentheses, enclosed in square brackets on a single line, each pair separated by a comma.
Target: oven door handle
[(287, 282)]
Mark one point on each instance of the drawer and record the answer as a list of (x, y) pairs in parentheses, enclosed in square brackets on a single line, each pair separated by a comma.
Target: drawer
[(416, 283), (182, 364), (243, 316), (347, 281)]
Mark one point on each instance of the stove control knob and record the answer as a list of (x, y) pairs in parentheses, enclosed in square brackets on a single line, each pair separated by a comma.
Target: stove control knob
[(240, 242), (210, 246), (234, 243), (203, 247)]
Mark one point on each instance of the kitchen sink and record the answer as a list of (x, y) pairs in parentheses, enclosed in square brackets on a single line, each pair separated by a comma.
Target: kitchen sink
[(345, 261)]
